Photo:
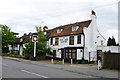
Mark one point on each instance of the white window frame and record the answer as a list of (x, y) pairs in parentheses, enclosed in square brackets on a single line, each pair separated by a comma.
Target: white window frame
[(74, 28), (59, 30)]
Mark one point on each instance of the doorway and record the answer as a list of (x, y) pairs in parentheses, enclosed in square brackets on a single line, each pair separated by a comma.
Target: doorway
[(54, 53)]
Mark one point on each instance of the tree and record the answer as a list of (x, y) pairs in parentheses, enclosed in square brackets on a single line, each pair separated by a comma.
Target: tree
[(111, 41), (42, 41), (41, 44), (117, 44), (29, 49), (7, 36)]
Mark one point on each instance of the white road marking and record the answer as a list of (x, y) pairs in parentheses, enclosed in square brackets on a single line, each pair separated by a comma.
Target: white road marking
[(78, 66), (34, 74)]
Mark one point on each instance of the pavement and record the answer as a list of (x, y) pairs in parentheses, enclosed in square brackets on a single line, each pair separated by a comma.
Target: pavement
[(71, 70)]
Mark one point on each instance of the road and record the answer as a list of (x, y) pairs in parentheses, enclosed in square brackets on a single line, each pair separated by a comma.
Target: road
[(20, 69)]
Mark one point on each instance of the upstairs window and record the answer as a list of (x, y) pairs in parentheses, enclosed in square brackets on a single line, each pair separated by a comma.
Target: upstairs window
[(74, 28), (56, 41), (59, 30), (79, 39), (102, 42), (71, 40), (51, 41)]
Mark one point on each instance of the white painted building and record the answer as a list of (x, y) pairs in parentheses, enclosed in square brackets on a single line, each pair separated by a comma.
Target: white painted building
[(19, 44), (76, 40), (112, 49)]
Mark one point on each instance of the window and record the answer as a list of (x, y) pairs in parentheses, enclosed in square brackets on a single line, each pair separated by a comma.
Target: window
[(79, 39), (59, 30), (74, 28), (66, 53), (71, 40), (51, 41), (73, 53), (101, 42), (56, 41), (70, 53)]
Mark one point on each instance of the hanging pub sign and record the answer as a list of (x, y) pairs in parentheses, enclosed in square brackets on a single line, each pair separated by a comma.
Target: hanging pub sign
[(35, 38)]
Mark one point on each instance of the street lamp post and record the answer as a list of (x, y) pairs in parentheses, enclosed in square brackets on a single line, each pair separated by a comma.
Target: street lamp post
[(35, 39)]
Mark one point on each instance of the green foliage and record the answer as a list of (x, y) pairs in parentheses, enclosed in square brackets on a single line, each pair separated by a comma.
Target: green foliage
[(7, 36), (77, 62), (7, 54), (40, 46), (42, 40), (29, 48), (83, 61), (111, 41)]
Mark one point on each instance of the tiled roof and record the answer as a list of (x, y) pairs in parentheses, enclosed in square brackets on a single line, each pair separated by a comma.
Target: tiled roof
[(26, 39), (17, 41), (67, 29)]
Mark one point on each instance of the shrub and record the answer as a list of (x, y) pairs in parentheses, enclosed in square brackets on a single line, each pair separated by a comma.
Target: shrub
[(7, 54), (83, 61)]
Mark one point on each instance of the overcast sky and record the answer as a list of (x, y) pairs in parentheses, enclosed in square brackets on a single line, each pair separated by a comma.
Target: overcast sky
[(23, 15)]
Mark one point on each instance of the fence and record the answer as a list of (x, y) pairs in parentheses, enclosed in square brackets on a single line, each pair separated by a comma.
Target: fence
[(111, 60)]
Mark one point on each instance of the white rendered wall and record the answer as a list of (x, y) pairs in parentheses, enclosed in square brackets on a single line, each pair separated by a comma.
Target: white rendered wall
[(21, 49), (99, 39), (62, 43), (79, 54), (10, 48), (113, 49), (91, 40), (16, 47)]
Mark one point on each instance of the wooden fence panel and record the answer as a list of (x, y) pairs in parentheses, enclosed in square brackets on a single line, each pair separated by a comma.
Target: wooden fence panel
[(111, 60)]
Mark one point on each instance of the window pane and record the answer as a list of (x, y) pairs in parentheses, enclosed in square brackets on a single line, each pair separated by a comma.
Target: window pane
[(66, 50), (66, 55), (73, 55), (51, 41), (56, 41), (71, 40), (74, 50), (69, 55), (79, 39)]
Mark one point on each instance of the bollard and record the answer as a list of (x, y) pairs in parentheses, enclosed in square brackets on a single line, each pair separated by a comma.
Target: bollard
[(71, 61), (52, 60), (99, 65), (95, 61), (62, 61)]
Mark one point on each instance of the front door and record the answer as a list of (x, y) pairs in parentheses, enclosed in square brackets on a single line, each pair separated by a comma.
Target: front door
[(54, 53)]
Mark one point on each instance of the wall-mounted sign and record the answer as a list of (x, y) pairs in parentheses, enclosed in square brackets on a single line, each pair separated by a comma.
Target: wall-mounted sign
[(63, 40)]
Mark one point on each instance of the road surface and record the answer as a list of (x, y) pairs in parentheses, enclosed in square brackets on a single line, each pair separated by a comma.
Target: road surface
[(21, 69)]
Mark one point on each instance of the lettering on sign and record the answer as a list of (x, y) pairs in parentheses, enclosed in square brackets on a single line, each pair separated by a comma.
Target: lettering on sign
[(64, 40)]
